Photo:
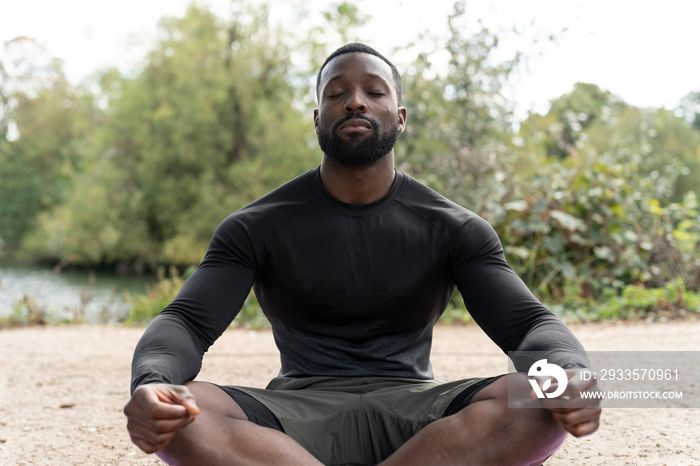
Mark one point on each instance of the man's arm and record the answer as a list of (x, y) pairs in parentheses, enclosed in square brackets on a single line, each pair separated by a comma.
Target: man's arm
[(170, 351), (503, 306)]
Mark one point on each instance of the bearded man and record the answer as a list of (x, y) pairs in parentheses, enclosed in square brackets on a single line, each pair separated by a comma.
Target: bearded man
[(353, 263)]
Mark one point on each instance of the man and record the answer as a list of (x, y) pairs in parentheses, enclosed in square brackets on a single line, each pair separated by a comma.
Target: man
[(353, 263)]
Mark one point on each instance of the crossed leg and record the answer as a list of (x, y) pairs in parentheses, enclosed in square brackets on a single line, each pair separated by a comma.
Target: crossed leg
[(485, 432), (222, 435)]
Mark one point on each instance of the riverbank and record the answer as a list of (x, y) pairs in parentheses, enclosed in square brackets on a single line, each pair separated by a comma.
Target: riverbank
[(63, 388), (66, 295)]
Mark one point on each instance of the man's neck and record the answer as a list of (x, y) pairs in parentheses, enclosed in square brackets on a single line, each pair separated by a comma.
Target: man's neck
[(358, 185)]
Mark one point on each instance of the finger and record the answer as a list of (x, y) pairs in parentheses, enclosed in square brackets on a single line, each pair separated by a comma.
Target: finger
[(182, 396), (583, 429), (162, 411), (190, 403), (144, 446), (148, 401), (149, 428), (165, 426), (154, 410), (577, 417), (566, 403), (159, 402), (172, 425), (156, 437), (572, 397), (154, 444)]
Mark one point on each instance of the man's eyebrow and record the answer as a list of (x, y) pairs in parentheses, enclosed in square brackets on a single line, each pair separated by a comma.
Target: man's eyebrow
[(367, 75)]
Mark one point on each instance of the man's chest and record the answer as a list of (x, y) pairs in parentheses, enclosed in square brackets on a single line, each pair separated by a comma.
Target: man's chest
[(356, 268)]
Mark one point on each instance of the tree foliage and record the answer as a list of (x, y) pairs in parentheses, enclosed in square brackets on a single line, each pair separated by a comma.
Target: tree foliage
[(45, 125), (459, 124), (610, 200), (206, 127)]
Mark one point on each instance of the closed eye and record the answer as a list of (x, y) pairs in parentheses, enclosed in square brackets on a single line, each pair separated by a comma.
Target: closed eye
[(375, 91)]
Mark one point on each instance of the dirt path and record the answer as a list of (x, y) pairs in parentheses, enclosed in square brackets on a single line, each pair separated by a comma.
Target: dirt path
[(62, 390)]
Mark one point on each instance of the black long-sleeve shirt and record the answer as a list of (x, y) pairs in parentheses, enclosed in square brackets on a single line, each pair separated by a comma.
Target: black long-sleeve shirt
[(350, 290)]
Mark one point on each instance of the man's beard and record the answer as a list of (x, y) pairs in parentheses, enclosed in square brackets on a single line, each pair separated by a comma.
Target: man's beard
[(355, 152)]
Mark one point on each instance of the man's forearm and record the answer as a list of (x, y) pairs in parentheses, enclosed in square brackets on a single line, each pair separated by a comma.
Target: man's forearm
[(166, 353), (551, 337)]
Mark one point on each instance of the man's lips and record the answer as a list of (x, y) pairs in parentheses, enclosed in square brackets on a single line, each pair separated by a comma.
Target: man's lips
[(355, 125)]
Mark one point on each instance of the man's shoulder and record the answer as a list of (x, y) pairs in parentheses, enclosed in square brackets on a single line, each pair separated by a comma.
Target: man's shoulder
[(272, 209), (284, 199), (298, 190), (431, 205), (455, 222)]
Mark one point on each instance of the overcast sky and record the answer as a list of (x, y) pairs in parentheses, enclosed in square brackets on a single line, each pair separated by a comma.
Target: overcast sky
[(644, 51)]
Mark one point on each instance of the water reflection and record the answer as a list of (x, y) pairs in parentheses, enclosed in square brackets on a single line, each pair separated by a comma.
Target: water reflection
[(69, 294)]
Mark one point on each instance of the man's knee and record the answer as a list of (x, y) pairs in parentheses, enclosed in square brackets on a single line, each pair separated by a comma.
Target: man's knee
[(523, 432), (216, 409), (212, 400)]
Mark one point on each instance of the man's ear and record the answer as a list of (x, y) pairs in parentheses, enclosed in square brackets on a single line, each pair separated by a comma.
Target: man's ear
[(316, 119), (402, 119)]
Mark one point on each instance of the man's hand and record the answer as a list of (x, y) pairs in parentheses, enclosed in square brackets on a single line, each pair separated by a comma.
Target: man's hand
[(156, 412), (582, 417)]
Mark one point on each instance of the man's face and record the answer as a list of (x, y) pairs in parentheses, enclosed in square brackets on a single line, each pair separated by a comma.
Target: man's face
[(358, 119)]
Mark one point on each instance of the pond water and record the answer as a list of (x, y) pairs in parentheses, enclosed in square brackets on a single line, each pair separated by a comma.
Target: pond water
[(69, 294)]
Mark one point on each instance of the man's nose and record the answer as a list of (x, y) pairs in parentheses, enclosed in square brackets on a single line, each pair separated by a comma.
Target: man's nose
[(355, 102)]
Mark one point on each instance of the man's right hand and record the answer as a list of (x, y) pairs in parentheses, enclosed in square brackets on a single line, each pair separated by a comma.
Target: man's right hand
[(156, 412)]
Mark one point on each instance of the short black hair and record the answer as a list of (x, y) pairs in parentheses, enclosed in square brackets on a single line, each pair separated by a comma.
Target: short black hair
[(361, 48)]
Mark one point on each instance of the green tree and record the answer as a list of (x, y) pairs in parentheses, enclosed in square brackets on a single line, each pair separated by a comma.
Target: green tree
[(652, 143), (610, 205), (459, 126), (44, 121), (345, 17), (207, 126), (588, 123), (561, 133)]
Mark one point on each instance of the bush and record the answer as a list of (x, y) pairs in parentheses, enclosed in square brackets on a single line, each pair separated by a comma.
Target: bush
[(149, 304), (633, 302), (26, 312), (589, 230), (157, 296)]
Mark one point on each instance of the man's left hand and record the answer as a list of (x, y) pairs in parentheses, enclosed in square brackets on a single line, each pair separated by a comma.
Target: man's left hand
[(583, 416)]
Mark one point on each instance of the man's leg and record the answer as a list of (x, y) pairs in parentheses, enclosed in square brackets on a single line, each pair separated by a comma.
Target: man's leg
[(486, 432), (222, 435)]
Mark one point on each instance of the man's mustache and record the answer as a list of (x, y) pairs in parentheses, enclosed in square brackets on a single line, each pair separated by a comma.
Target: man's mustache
[(350, 116)]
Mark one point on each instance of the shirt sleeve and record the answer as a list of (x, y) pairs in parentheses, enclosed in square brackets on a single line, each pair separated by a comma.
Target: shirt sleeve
[(172, 347), (503, 306)]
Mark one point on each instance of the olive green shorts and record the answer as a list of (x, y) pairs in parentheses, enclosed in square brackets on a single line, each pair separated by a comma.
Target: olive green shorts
[(359, 420)]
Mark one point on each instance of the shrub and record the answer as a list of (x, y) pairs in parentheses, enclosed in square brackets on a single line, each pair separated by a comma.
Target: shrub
[(149, 304)]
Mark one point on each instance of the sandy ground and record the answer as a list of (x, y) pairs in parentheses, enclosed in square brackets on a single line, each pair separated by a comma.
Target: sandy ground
[(62, 390)]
